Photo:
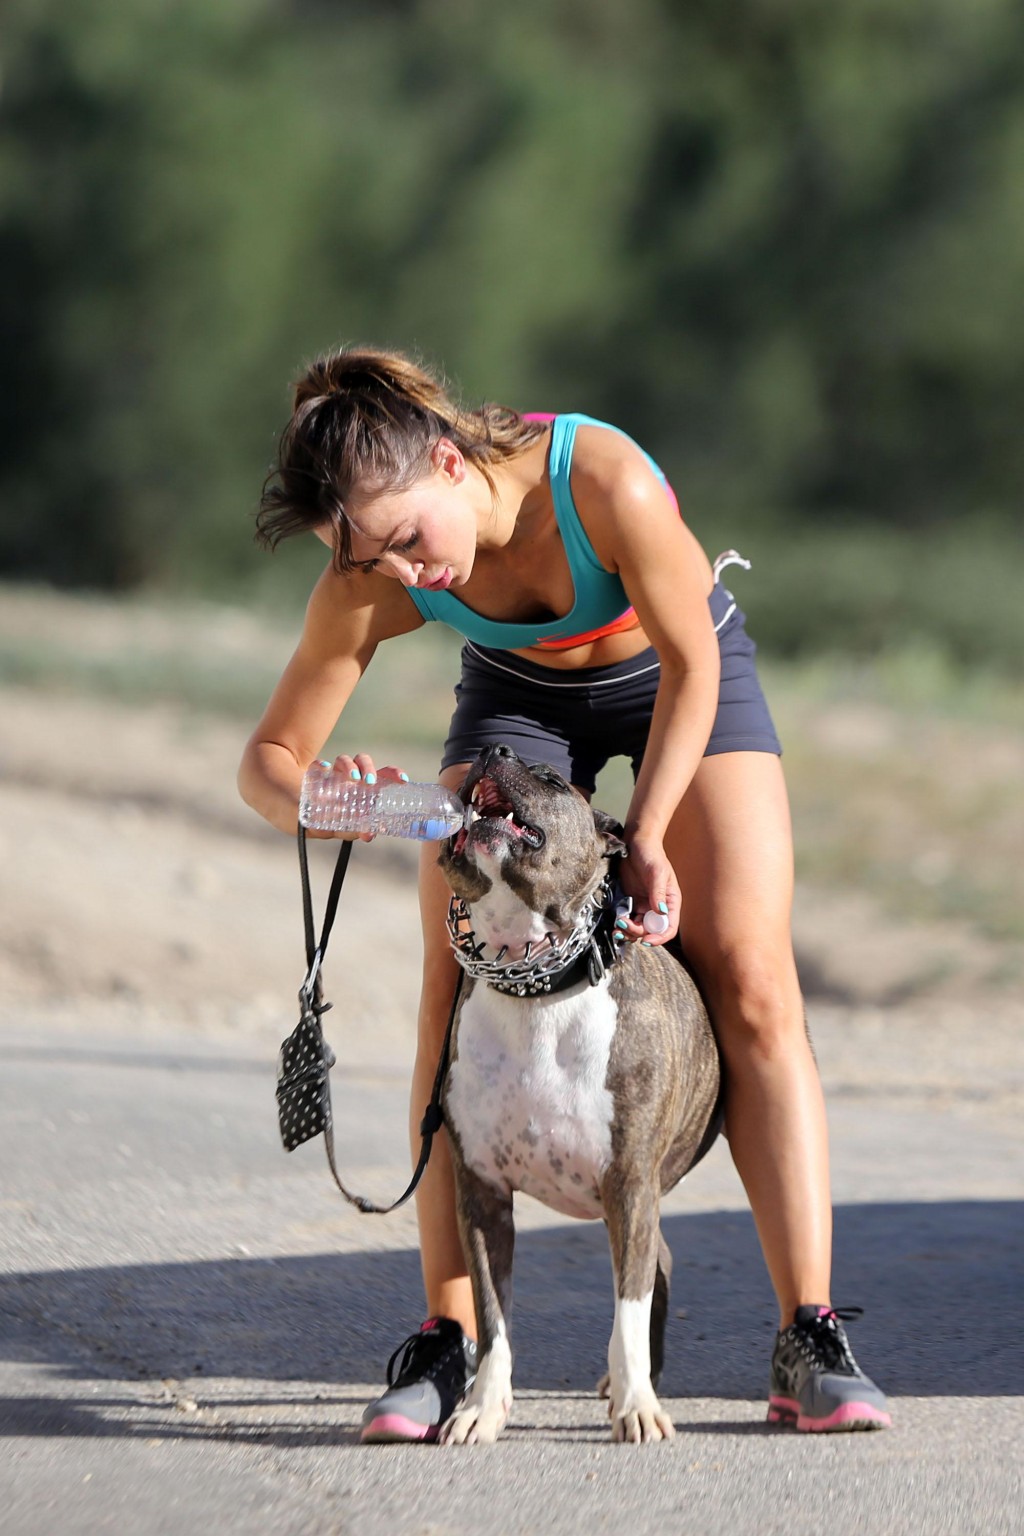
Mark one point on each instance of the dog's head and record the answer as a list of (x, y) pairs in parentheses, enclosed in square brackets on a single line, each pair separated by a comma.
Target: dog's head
[(533, 853)]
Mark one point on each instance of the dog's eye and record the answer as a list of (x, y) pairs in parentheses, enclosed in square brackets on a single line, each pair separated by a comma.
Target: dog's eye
[(549, 775)]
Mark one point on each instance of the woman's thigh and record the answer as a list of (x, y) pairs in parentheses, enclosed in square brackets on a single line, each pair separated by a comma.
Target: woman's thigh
[(731, 846)]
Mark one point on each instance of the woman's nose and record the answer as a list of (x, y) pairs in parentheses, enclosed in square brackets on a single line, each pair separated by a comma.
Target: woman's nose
[(402, 570)]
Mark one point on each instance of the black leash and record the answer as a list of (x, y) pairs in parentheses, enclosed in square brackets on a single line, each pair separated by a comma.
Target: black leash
[(303, 1087)]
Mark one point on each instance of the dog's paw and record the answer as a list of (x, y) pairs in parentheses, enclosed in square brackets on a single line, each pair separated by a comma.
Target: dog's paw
[(475, 1424), (636, 1423), (604, 1386)]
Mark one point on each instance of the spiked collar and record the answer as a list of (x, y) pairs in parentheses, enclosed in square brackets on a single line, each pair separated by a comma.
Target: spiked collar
[(586, 952)]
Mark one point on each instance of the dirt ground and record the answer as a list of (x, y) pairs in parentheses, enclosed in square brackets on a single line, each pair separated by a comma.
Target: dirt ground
[(139, 888)]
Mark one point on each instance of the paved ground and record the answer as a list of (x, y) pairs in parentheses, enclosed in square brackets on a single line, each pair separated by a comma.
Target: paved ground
[(192, 1320)]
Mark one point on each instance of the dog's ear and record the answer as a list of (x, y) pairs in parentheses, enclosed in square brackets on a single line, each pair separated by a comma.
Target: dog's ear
[(612, 833)]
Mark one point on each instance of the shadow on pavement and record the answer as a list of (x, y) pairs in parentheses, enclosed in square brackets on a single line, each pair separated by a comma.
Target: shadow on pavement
[(937, 1281)]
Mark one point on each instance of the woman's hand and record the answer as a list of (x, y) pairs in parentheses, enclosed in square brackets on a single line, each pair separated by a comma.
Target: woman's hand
[(648, 877), (361, 767)]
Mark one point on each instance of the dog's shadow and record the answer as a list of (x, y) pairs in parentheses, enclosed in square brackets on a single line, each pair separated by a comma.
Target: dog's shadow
[(937, 1282)]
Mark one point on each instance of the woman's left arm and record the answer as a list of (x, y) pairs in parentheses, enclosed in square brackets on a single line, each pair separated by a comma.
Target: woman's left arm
[(636, 530)]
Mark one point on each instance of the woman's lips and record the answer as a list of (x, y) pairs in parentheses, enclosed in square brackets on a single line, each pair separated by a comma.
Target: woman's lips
[(443, 581)]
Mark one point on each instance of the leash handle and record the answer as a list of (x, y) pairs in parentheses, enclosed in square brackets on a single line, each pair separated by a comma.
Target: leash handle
[(315, 952), (312, 996)]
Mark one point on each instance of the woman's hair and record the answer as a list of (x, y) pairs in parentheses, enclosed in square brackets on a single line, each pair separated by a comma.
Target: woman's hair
[(365, 420)]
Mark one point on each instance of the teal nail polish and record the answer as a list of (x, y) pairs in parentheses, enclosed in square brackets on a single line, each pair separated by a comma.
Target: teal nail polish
[(325, 764), (371, 778), (646, 944), (404, 778), (354, 773), (663, 908)]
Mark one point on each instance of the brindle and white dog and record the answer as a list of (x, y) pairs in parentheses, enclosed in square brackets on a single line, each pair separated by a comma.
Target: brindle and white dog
[(594, 1098)]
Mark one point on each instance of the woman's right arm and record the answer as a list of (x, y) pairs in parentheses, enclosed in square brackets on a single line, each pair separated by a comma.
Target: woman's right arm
[(347, 617)]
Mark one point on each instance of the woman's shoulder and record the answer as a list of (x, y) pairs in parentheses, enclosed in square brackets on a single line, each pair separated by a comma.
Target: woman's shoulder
[(610, 467)]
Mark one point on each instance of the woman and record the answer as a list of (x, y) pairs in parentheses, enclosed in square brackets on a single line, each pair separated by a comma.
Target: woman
[(595, 626)]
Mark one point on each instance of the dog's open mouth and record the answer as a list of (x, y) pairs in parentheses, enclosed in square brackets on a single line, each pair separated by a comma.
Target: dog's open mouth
[(490, 806)]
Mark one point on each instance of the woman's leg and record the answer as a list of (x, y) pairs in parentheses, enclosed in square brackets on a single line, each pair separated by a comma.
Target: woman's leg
[(438, 1363), (731, 846), (448, 1289)]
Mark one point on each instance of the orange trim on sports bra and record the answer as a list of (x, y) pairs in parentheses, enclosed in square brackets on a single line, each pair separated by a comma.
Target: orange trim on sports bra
[(627, 620)]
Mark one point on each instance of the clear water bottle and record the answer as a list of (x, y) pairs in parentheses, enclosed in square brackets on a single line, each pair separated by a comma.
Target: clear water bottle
[(330, 802)]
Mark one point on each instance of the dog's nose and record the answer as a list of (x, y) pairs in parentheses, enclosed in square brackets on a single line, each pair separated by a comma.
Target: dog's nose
[(498, 750)]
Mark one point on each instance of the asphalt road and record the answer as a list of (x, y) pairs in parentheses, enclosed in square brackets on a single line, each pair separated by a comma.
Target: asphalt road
[(191, 1321)]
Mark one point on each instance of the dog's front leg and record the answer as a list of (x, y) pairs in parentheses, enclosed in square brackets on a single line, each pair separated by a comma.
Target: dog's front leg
[(631, 1212), (488, 1237)]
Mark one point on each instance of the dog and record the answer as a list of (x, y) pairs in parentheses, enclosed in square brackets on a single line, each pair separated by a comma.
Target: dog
[(583, 1071)]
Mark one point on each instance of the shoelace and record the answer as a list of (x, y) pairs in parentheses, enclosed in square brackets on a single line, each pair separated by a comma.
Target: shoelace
[(826, 1341), (412, 1349)]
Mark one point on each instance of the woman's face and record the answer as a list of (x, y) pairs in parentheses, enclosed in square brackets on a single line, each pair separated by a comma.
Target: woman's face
[(423, 536)]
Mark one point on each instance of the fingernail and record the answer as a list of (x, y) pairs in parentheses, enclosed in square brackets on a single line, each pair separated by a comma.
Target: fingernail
[(371, 778), (646, 944), (354, 773), (620, 922), (404, 778), (326, 765), (662, 907)]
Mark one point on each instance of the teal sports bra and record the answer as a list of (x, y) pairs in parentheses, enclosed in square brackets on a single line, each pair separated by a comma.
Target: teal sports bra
[(600, 596)]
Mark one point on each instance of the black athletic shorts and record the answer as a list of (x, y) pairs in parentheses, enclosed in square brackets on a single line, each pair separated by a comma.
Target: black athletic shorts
[(576, 721)]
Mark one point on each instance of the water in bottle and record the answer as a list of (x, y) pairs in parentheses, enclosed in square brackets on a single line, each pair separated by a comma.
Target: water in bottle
[(330, 802)]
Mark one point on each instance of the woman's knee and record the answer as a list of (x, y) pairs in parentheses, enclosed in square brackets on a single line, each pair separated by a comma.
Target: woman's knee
[(755, 1001), (437, 994), (440, 968)]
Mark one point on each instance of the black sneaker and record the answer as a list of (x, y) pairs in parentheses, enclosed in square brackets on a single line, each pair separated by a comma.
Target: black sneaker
[(437, 1367), (816, 1383)]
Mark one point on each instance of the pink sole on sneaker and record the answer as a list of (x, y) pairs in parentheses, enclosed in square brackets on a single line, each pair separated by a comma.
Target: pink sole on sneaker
[(849, 1416), (392, 1428)]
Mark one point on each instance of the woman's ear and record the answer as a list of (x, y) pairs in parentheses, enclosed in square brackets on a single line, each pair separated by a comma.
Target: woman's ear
[(451, 461)]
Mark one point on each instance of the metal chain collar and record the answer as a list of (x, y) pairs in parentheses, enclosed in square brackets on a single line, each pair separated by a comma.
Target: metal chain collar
[(542, 965)]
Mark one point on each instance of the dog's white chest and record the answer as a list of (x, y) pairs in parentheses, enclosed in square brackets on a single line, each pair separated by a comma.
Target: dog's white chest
[(528, 1097)]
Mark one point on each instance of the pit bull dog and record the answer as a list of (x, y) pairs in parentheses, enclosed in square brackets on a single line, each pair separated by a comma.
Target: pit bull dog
[(583, 1071)]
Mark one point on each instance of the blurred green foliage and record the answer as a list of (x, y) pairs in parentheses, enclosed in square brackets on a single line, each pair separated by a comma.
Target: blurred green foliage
[(781, 241)]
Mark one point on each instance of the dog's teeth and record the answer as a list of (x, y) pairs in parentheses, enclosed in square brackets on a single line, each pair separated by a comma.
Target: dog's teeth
[(509, 816)]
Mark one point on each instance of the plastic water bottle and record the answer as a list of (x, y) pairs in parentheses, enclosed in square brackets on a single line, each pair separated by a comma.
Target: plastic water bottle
[(330, 802)]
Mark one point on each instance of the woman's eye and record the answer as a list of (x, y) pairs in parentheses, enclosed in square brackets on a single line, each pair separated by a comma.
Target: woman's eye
[(398, 549)]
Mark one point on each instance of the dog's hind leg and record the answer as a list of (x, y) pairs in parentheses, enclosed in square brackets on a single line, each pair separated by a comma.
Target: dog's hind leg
[(631, 1211), (488, 1238), (659, 1309)]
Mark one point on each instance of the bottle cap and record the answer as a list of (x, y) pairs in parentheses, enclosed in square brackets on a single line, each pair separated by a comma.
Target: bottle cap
[(655, 922)]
